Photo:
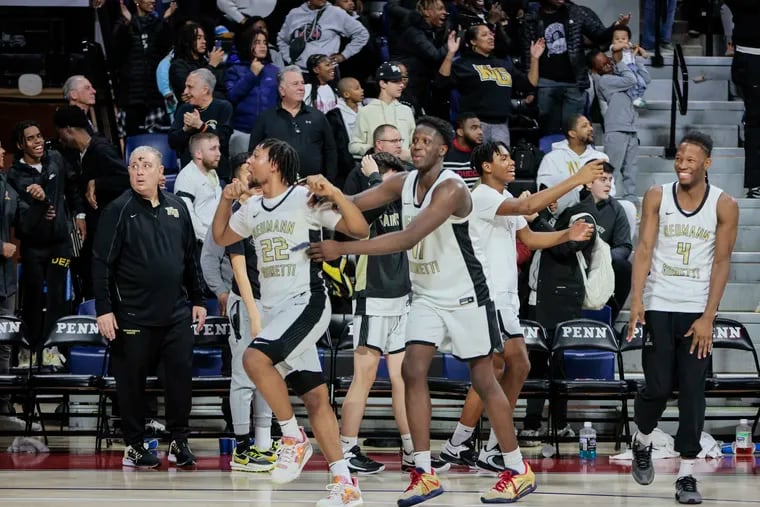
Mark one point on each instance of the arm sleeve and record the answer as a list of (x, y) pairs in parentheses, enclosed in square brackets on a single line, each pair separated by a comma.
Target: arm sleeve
[(356, 32), (620, 247), (106, 250), (329, 152), (211, 265), (283, 40), (72, 189), (614, 83), (239, 81), (178, 71), (360, 137), (230, 10), (594, 29), (519, 79), (183, 189), (193, 273), (642, 70)]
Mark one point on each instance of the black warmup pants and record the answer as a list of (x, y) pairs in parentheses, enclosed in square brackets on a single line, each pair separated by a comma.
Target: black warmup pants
[(668, 366), (41, 266), (745, 72), (138, 350), (622, 269)]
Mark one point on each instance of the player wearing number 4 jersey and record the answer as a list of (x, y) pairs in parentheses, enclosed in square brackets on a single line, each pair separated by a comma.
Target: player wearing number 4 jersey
[(295, 309), (687, 234), (452, 306)]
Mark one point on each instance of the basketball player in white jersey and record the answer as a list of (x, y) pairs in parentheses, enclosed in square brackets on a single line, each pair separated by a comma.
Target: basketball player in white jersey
[(295, 308), (451, 302), (680, 270), (499, 221)]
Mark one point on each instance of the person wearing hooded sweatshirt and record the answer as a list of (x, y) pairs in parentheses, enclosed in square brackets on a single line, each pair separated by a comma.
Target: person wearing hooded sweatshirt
[(386, 109), (320, 26), (485, 82), (567, 157)]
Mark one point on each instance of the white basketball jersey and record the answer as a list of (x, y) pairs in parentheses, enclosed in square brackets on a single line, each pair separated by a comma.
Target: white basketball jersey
[(447, 268), (679, 279), (281, 228), (499, 240)]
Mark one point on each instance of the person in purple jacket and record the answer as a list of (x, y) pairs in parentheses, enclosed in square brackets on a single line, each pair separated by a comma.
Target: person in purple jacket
[(251, 87)]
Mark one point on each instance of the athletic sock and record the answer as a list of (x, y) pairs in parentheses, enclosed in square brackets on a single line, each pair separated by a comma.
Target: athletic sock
[(340, 469), (686, 468), (492, 441), (263, 438), (347, 443), (644, 438), (406, 443), (422, 460), (513, 460), (290, 428), (242, 443), (461, 434)]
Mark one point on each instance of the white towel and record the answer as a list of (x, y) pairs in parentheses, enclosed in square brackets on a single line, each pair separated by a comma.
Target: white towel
[(663, 447)]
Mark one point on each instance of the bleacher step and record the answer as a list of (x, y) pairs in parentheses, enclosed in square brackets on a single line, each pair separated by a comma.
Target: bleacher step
[(700, 68), (722, 135), (731, 183), (661, 89), (711, 112)]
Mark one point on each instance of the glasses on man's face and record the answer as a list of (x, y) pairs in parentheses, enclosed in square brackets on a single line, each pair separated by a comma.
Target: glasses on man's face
[(296, 127), (398, 140)]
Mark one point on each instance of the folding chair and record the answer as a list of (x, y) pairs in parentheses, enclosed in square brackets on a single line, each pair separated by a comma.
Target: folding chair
[(12, 335)]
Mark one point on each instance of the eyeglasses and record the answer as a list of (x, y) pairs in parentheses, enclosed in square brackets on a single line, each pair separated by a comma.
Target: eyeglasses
[(296, 127), (394, 141)]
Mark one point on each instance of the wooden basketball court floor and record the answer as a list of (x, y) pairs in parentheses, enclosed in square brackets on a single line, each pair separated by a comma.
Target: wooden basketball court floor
[(75, 476)]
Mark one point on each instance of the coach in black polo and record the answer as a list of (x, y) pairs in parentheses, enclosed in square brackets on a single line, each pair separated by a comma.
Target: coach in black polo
[(301, 126), (145, 279)]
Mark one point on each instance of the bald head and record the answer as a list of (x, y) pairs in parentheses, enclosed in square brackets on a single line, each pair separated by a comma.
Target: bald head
[(350, 90)]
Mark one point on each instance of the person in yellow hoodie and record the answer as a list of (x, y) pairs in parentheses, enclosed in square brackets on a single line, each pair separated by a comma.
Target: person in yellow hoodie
[(386, 109)]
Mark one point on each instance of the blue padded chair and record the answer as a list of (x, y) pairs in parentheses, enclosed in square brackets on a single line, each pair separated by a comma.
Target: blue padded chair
[(159, 142)]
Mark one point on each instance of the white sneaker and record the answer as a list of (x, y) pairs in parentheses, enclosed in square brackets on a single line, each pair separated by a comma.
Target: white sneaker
[(342, 494), (639, 102), (292, 456), (491, 459), (529, 438)]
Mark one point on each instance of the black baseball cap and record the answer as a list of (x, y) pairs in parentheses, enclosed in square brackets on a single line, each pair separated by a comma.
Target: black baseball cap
[(388, 71)]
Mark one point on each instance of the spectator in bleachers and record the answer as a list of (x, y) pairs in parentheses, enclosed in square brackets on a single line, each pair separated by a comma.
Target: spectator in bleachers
[(421, 46), (568, 156), (8, 281), (301, 126), (386, 109), (364, 63), (198, 184), (145, 246), (260, 24), (613, 227), (745, 72), (727, 20), (316, 27), (78, 91), (485, 82), (384, 142), (202, 113), (318, 92), (614, 83), (48, 192), (406, 98), (477, 12), (563, 77), (245, 12), (342, 120), (103, 178), (140, 39), (469, 134), (190, 55), (251, 87), (649, 17)]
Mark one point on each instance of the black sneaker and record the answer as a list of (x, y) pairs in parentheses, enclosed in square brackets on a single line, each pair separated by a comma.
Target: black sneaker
[(463, 454), (641, 468), (361, 463), (180, 453), (140, 457), (686, 490), (437, 464)]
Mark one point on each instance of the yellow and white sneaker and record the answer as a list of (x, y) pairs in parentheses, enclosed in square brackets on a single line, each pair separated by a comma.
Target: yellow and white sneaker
[(342, 494), (511, 487), (292, 456), (423, 486)]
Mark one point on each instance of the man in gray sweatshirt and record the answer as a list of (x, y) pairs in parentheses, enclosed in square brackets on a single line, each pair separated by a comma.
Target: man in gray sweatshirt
[(612, 80), (316, 27)]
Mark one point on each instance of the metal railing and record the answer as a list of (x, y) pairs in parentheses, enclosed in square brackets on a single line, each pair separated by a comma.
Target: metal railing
[(679, 96)]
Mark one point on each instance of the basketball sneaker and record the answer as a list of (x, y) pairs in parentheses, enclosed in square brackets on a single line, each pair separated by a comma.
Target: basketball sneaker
[(139, 456), (437, 464), (511, 487), (361, 463), (292, 455), (253, 460), (180, 453), (462, 454), (342, 494), (641, 468), (529, 438), (686, 490), (423, 486), (491, 459)]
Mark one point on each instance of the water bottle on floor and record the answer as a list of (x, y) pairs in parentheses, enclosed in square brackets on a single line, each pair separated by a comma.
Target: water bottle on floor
[(743, 443), (587, 442)]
